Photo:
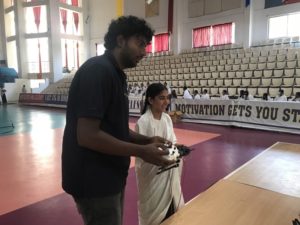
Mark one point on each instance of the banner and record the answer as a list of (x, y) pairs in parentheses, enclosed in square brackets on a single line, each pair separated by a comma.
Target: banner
[(44, 99), (279, 116), (136, 105), (274, 116)]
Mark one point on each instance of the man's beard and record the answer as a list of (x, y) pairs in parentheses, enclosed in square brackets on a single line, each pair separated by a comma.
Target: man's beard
[(126, 58)]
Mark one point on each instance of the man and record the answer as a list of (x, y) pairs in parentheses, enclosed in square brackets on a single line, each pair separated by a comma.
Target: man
[(196, 95), (281, 97), (186, 93), (97, 142), (205, 95)]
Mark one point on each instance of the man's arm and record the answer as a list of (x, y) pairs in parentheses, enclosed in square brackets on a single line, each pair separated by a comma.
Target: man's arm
[(90, 136), (139, 138), (143, 140)]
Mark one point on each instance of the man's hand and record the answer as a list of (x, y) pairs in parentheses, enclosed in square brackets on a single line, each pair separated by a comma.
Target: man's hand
[(155, 154), (157, 139)]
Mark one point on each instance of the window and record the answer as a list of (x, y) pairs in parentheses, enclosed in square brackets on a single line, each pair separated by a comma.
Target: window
[(36, 19), (70, 53), (149, 48), (71, 2), (12, 58), (69, 22), (10, 29), (8, 3), (284, 26), (38, 55), (201, 37), (219, 34), (100, 49), (161, 42)]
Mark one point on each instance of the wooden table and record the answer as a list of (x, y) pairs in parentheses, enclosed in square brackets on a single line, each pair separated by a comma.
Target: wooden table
[(264, 191), (276, 169)]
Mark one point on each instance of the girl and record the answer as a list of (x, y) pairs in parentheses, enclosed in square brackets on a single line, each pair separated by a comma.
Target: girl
[(159, 195)]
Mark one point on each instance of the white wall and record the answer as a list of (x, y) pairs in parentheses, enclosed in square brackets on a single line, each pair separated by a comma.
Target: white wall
[(2, 33), (261, 16), (186, 24), (13, 90), (101, 12), (183, 25)]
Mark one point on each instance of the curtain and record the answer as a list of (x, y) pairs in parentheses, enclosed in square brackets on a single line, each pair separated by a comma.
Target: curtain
[(201, 37), (75, 2), (63, 14), (161, 42), (37, 16), (170, 16), (149, 48), (76, 23), (75, 15), (37, 20), (222, 34)]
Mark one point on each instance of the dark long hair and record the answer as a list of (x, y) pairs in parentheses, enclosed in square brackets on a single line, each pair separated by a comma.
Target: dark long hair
[(152, 91)]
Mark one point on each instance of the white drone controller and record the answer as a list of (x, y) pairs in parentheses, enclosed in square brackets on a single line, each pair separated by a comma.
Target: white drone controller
[(173, 153)]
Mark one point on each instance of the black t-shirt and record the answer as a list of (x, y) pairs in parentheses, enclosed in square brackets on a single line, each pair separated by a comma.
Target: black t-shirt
[(98, 90)]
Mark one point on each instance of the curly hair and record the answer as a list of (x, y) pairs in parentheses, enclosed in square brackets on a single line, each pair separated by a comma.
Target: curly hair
[(127, 26)]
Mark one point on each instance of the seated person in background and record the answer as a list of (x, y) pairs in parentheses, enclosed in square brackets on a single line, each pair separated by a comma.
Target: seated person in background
[(248, 96), (168, 87), (143, 88), (196, 94), (224, 95), (266, 97), (173, 94), (172, 97), (280, 97), (3, 96), (129, 88), (242, 95), (186, 93), (297, 97), (159, 195), (205, 95), (136, 89), (24, 89)]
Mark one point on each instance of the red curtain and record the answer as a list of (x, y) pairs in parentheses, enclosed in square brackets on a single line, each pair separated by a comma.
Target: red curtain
[(75, 2), (161, 42), (77, 54), (222, 34), (37, 16), (149, 48), (76, 20), (170, 16), (39, 76), (63, 14), (37, 20), (75, 15), (201, 37)]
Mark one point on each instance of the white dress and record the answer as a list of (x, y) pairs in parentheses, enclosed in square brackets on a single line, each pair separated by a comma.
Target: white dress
[(155, 192)]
